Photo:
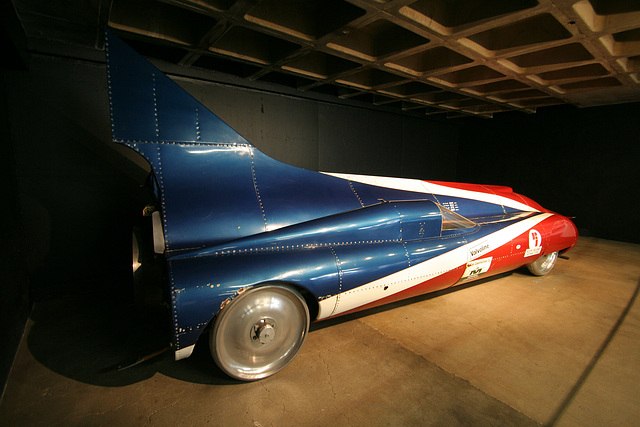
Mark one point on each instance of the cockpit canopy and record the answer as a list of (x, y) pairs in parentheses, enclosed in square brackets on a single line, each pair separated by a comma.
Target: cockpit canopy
[(454, 221), (422, 219)]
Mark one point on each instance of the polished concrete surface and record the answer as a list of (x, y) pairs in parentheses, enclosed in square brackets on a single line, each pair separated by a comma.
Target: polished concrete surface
[(514, 350)]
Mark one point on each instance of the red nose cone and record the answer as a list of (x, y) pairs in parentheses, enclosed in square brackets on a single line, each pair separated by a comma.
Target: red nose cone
[(564, 234)]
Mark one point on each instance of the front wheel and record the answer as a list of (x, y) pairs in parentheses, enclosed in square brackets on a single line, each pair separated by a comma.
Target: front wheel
[(544, 264), (259, 332)]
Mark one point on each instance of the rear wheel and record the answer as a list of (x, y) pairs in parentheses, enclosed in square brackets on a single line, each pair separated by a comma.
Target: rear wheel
[(259, 332), (544, 264)]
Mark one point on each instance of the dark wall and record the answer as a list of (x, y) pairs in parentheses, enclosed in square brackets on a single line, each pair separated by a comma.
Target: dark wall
[(14, 301), (578, 162), (335, 138), (76, 191), (371, 143), (15, 305)]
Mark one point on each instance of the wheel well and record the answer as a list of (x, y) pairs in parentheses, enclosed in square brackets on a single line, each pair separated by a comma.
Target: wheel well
[(309, 299)]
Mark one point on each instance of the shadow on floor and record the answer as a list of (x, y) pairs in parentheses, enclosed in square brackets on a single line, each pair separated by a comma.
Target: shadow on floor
[(86, 337)]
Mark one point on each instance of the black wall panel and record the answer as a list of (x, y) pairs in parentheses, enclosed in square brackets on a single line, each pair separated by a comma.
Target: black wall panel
[(578, 162)]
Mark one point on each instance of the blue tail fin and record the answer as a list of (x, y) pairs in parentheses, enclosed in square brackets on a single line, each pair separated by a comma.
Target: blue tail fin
[(147, 106), (214, 186)]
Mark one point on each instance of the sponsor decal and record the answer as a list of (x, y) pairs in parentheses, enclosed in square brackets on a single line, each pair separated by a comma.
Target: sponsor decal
[(479, 249), (535, 243), (452, 206), (476, 268)]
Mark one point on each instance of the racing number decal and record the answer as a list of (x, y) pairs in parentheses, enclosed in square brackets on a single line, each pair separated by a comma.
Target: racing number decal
[(535, 243)]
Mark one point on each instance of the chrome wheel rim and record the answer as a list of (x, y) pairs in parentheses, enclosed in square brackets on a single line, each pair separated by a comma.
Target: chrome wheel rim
[(544, 264), (259, 332), (548, 262)]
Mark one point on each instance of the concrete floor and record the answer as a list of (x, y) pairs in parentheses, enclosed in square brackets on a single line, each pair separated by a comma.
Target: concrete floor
[(515, 350)]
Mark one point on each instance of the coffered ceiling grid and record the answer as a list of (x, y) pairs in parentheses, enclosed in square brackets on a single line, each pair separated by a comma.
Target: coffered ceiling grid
[(453, 57)]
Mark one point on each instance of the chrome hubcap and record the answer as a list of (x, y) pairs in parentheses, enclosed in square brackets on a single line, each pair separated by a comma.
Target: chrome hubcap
[(264, 331)]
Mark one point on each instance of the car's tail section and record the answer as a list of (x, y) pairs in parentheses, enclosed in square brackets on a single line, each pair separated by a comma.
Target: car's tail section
[(215, 187)]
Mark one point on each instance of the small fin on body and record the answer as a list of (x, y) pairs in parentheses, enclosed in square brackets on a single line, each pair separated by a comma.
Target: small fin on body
[(147, 106)]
